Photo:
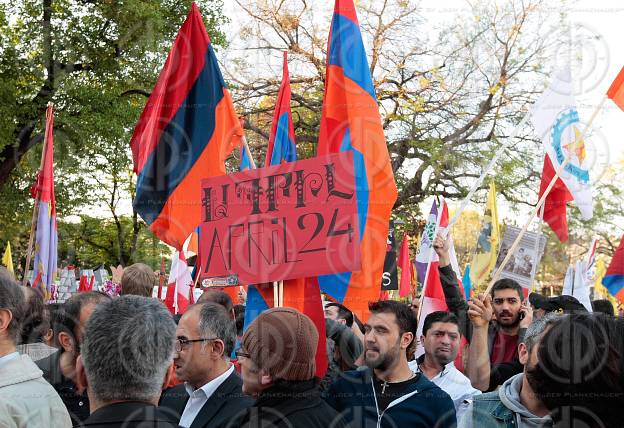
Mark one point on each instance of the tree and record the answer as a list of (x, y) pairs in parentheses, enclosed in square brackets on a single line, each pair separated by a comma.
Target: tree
[(446, 104), (97, 61)]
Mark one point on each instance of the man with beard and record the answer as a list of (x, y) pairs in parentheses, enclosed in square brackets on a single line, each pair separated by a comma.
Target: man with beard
[(517, 402), (59, 369), (580, 375), (387, 393), (505, 330), (441, 340)]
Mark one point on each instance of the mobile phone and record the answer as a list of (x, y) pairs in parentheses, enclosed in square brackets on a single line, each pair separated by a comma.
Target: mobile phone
[(522, 315)]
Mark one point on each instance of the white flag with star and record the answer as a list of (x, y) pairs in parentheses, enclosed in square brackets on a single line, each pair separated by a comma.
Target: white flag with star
[(556, 120)]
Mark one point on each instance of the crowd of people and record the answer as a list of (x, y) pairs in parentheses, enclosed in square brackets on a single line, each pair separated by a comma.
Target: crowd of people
[(500, 360)]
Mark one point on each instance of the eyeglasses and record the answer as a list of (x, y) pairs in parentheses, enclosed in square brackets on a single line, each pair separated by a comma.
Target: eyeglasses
[(240, 354), (180, 342)]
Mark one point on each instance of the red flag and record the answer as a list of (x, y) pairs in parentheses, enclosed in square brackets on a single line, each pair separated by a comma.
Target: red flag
[(304, 295), (616, 90), (405, 264), (91, 282), (555, 213)]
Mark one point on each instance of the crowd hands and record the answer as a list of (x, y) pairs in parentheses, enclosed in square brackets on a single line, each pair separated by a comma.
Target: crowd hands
[(497, 360)]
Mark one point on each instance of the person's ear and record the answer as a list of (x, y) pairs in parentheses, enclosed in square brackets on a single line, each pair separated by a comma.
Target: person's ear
[(5, 319), (422, 338), (218, 348), (66, 341), (406, 339), (81, 375), (168, 376), (523, 354)]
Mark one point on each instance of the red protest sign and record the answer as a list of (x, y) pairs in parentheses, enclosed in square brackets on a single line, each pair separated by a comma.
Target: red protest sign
[(286, 221)]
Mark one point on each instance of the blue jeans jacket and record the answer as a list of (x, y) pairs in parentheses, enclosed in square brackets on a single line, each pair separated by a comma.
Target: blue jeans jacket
[(489, 412)]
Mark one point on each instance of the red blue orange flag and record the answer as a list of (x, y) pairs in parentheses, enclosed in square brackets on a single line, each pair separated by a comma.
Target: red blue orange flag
[(350, 121), (614, 278), (46, 236), (282, 138), (185, 133)]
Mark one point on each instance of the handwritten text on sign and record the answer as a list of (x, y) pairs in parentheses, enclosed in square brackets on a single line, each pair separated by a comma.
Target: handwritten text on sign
[(293, 220)]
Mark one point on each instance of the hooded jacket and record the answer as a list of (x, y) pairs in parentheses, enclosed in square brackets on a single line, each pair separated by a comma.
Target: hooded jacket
[(503, 409), (26, 399), (423, 405)]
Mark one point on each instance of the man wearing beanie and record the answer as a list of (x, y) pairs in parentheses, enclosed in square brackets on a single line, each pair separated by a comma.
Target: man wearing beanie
[(277, 358)]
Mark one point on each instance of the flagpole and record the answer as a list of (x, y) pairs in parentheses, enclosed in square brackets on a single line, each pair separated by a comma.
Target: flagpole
[(33, 223), (477, 184), (541, 202), (536, 248)]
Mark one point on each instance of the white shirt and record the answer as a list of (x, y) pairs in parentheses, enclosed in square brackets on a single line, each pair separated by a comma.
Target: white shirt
[(9, 357), (199, 397), (454, 383)]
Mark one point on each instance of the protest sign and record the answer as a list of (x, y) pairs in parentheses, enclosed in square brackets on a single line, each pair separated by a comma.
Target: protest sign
[(520, 265), (286, 221)]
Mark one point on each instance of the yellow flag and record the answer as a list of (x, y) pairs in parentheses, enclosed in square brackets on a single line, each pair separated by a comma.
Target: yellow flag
[(484, 258), (7, 259)]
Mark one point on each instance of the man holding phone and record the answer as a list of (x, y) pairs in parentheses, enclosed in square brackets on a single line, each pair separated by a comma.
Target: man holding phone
[(496, 340)]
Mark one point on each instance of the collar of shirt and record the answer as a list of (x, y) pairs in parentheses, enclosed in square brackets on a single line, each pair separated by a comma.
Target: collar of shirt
[(199, 397), (9, 357), (415, 366), (208, 389)]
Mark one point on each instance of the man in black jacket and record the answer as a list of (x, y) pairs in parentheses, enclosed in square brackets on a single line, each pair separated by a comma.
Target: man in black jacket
[(212, 391), (277, 358), (125, 361), (504, 332), (59, 369)]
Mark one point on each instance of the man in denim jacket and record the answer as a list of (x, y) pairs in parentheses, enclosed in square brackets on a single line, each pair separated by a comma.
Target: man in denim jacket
[(515, 403)]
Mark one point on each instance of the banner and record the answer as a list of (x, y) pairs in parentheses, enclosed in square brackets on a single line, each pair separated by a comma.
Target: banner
[(280, 222), (389, 279), (520, 265)]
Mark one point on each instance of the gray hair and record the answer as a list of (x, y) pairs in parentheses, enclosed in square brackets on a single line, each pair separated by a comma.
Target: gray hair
[(537, 327), (128, 348), (214, 321), (12, 299)]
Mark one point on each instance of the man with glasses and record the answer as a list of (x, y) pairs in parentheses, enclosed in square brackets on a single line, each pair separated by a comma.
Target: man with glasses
[(211, 394)]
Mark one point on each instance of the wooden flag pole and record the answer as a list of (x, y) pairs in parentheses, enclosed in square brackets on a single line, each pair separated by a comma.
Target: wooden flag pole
[(477, 184), (537, 248), (33, 223), (541, 202)]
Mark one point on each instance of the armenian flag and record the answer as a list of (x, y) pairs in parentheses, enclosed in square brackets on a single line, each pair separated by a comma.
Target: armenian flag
[(46, 236), (282, 138), (185, 133), (350, 121), (614, 278)]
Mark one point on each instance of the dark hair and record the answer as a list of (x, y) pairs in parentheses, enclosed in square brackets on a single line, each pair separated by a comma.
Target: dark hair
[(239, 318), (12, 299), (438, 316), (405, 318), (343, 312), (52, 314), (36, 323), (579, 371), (603, 305), (217, 296), (68, 315), (507, 284)]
